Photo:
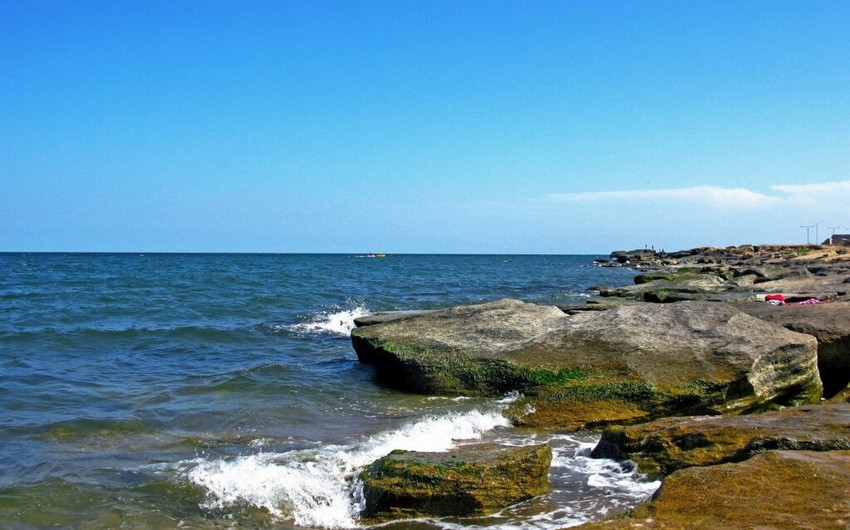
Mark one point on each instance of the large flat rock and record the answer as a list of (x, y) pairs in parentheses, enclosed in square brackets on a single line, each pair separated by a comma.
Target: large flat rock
[(682, 284), (385, 316), (663, 446), (774, 490), (623, 365)]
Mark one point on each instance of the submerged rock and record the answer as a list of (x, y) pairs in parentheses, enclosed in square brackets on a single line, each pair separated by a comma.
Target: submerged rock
[(468, 481), (623, 365), (776, 489), (665, 445)]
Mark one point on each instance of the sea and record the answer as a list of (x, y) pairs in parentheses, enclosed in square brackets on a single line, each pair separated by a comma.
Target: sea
[(217, 391)]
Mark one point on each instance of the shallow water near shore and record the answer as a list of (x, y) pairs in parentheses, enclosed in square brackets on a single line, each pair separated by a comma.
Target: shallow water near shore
[(221, 391)]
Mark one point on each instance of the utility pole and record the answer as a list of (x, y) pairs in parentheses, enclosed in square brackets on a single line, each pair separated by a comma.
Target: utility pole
[(817, 239), (807, 227)]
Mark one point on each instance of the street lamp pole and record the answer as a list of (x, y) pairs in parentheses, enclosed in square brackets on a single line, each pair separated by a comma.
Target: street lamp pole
[(817, 239), (807, 227)]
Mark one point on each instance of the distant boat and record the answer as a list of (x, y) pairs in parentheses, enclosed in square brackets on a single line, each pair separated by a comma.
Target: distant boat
[(379, 255)]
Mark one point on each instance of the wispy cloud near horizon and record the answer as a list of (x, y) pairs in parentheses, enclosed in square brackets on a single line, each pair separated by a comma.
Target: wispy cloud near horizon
[(712, 195), (818, 189), (717, 196)]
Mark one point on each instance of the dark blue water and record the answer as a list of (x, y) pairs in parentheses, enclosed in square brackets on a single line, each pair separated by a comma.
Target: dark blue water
[(206, 391)]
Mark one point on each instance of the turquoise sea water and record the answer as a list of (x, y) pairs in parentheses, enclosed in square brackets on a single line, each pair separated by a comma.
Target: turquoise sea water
[(222, 391)]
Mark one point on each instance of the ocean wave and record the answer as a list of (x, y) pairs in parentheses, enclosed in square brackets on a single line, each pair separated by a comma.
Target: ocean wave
[(318, 487), (334, 322)]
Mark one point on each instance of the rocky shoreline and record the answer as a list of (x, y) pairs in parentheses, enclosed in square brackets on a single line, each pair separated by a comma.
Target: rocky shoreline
[(718, 369)]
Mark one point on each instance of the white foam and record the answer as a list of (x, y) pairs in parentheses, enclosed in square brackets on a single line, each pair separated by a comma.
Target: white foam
[(334, 322), (582, 489), (318, 487), (285, 485), (624, 479)]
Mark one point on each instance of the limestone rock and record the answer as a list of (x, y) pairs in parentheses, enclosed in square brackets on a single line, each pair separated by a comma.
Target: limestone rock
[(385, 316), (665, 445), (437, 352), (623, 365), (687, 283), (828, 323), (468, 481), (800, 272), (775, 490)]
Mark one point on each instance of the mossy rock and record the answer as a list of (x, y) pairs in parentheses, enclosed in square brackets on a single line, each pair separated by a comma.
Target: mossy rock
[(624, 365), (775, 489), (690, 282), (828, 323), (671, 295), (663, 446), (682, 274), (468, 481)]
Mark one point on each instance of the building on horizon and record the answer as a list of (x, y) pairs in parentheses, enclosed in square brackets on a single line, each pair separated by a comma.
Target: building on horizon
[(838, 239)]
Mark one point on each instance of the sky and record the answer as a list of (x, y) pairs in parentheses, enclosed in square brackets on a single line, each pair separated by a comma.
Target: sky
[(406, 126)]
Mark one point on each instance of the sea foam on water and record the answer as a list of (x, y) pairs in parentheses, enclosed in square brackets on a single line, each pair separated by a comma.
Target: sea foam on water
[(319, 488), (238, 371), (333, 322)]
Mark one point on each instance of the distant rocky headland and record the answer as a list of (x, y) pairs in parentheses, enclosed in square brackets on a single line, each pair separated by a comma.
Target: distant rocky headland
[(801, 272), (726, 372)]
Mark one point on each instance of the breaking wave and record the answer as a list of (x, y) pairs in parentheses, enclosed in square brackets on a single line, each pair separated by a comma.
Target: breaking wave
[(318, 487), (332, 322)]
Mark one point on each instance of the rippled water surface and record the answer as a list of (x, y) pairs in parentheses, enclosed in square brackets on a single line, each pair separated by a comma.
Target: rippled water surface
[(213, 391)]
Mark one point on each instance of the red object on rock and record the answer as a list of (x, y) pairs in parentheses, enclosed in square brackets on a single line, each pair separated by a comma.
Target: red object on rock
[(778, 297)]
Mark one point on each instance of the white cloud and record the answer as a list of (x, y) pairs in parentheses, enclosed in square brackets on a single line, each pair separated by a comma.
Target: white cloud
[(814, 190), (788, 196), (686, 217), (829, 199), (710, 195)]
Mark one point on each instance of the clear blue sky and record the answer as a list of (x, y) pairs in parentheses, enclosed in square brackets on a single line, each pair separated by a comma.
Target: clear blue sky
[(421, 126)]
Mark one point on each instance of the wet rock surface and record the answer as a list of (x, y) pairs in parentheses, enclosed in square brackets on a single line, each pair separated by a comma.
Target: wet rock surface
[(663, 446), (773, 490), (693, 336), (467, 481)]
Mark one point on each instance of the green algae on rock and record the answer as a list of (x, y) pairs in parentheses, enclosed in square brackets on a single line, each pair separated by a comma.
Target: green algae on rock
[(623, 365), (828, 323), (775, 489), (663, 446), (467, 481)]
